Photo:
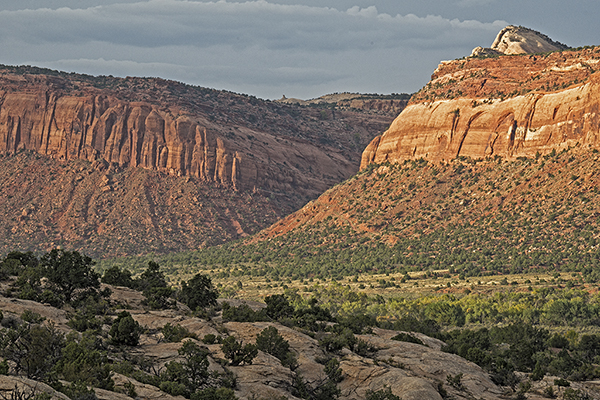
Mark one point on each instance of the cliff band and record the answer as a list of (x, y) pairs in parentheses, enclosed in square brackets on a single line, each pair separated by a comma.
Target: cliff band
[(508, 106)]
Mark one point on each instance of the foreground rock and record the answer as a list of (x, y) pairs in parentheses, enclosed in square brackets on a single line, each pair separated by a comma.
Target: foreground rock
[(412, 371)]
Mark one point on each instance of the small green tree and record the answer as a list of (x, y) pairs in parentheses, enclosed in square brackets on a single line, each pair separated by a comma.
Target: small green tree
[(238, 354), (214, 394), (199, 292), (176, 333), (278, 307), (270, 341), (70, 272), (342, 337), (382, 394), (34, 349), (118, 277), (153, 284), (196, 363), (323, 389), (84, 361), (125, 330), (16, 262), (151, 277), (185, 378)]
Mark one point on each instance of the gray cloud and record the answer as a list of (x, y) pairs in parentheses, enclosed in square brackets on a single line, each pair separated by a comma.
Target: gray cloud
[(159, 23), (303, 48)]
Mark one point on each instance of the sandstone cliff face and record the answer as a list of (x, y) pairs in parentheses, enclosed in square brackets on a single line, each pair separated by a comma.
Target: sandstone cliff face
[(113, 166), (129, 134), (509, 106), (232, 140)]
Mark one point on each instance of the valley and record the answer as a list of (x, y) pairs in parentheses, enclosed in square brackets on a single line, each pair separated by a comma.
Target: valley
[(243, 249)]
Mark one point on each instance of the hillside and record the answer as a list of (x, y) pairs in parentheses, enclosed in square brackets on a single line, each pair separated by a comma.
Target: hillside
[(466, 179), (139, 338), (115, 166), (474, 217), (393, 103)]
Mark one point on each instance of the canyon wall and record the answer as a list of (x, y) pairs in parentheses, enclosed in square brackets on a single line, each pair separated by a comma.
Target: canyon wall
[(217, 137), (133, 134), (507, 106)]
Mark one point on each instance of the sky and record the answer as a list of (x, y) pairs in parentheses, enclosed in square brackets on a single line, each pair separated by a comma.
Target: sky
[(270, 48)]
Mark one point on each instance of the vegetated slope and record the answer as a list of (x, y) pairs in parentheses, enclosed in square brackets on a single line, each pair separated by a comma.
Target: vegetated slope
[(244, 153), (106, 210), (393, 103), (470, 216)]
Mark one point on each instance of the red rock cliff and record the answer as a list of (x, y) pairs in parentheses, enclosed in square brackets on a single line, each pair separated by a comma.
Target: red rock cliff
[(507, 106), (221, 137), (126, 133)]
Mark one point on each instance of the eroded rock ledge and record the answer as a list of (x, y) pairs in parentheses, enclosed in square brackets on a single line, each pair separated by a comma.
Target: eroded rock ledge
[(509, 106)]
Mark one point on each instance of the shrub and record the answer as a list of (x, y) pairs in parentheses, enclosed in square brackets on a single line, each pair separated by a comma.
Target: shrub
[(382, 394), (158, 298), (209, 338), (31, 317), (406, 337), (236, 353), (336, 341), (84, 361), (575, 394), (360, 323), (325, 389), (79, 391), (34, 349), (278, 307), (176, 333), (185, 378), (562, 382), (118, 277), (214, 394), (125, 330), (82, 321), (4, 367), (199, 292), (242, 313), (271, 342)]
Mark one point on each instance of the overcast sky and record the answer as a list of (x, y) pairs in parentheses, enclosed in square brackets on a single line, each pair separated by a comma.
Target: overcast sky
[(270, 48)]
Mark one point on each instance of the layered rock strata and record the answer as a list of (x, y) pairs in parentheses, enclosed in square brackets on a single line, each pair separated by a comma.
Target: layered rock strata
[(219, 137), (509, 106)]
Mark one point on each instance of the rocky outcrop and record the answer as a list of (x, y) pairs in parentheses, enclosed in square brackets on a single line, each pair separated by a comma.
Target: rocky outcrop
[(519, 40), (510, 106), (412, 371)]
